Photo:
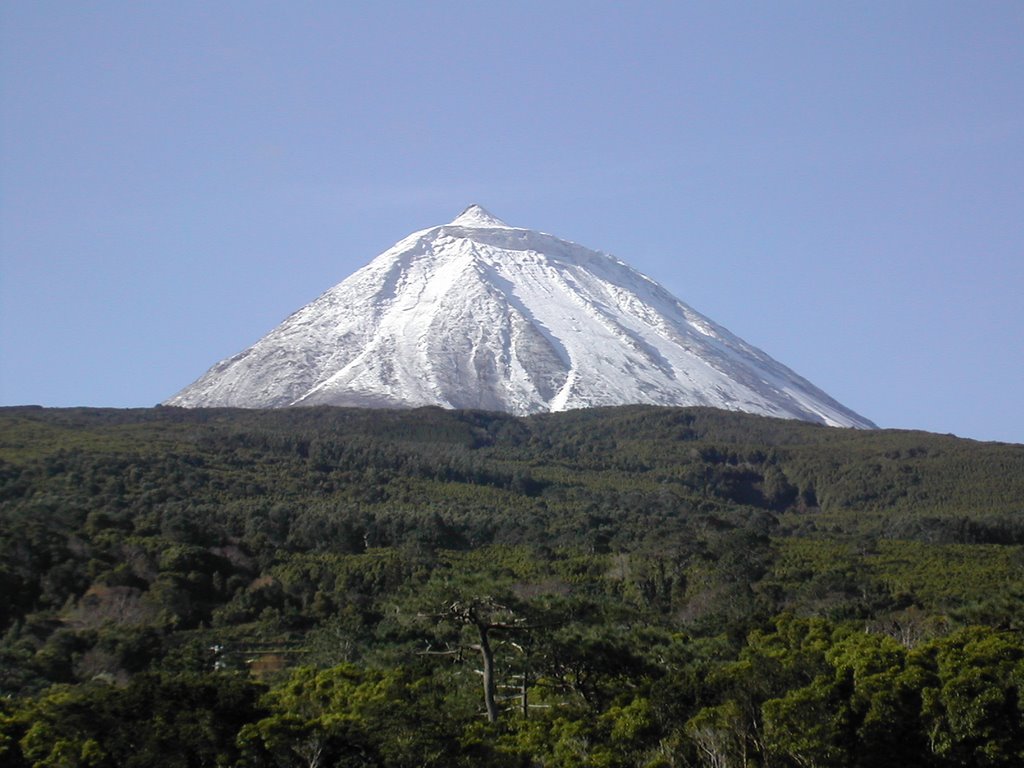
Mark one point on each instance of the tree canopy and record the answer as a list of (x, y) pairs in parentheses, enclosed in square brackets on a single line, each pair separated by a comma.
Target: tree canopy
[(611, 587)]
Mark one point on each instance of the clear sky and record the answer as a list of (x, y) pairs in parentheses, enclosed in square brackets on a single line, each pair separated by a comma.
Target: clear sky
[(838, 183)]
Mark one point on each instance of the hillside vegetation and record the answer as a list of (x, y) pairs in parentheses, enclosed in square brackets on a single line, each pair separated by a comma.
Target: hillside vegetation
[(629, 586)]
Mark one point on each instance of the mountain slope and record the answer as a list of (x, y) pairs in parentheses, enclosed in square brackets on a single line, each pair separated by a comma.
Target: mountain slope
[(478, 314)]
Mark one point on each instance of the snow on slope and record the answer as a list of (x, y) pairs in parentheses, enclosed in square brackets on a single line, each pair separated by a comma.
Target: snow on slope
[(478, 314)]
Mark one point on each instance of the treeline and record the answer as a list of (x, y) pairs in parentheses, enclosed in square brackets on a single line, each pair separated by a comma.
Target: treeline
[(654, 587)]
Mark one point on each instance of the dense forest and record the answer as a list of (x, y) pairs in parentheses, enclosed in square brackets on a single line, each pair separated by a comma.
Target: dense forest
[(630, 586)]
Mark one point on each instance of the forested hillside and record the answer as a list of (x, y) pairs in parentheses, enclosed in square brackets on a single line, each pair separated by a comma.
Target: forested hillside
[(631, 586)]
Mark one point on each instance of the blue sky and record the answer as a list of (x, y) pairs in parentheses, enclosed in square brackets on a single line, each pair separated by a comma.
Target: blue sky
[(840, 184)]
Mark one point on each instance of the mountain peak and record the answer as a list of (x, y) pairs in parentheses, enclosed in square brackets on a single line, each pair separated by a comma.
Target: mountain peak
[(477, 314), (477, 216)]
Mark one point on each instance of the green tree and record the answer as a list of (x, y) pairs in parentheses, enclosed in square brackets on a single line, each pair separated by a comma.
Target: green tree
[(315, 719), (974, 715), (882, 703), (156, 720)]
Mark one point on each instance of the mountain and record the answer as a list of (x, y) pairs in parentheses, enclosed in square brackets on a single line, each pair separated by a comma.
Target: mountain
[(479, 314)]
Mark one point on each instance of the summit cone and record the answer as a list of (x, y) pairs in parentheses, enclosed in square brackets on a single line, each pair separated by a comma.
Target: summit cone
[(479, 314)]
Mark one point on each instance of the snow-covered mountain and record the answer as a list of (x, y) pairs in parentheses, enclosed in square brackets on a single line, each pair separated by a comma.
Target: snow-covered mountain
[(479, 314)]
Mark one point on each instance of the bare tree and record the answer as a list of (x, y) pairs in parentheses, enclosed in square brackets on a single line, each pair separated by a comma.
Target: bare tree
[(487, 618)]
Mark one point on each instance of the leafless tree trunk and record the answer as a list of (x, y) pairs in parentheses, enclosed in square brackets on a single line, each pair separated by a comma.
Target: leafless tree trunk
[(487, 659), (486, 615)]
